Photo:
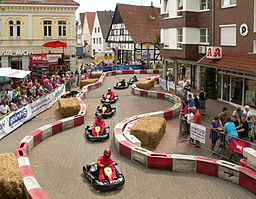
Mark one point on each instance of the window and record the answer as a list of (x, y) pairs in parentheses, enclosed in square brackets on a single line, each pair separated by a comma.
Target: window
[(204, 35), (166, 6), (180, 38), (18, 28), (98, 29), (228, 3), (204, 4), (62, 28), (95, 30), (47, 28), (180, 7), (96, 40), (99, 40), (254, 46), (228, 35), (11, 28), (93, 40)]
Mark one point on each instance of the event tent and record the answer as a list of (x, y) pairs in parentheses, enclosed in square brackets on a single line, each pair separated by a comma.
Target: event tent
[(13, 73)]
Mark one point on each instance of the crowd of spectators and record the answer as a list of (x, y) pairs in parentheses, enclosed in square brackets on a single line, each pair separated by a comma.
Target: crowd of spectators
[(20, 93)]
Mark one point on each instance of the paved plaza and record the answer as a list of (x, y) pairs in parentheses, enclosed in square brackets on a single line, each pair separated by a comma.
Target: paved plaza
[(57, 162)]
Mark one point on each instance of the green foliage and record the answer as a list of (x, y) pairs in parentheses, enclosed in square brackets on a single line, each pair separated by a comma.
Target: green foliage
[(158, 39), (209, 82)]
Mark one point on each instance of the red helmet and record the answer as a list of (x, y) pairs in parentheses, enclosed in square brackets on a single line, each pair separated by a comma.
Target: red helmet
[(99, 116), (107, 153)]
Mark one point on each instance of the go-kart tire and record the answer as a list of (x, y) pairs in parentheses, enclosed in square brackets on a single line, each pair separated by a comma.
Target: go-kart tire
[(121, 87), (108, 114), (94, 138)]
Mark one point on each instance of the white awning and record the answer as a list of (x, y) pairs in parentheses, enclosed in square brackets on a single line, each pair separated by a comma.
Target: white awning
[(13, 73)]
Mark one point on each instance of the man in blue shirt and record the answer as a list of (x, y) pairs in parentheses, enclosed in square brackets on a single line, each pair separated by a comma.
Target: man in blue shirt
[(230, 129), (191, 101)]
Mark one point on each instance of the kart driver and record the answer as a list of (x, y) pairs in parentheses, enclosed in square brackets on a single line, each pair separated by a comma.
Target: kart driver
[(134, 78), (98, 122), (111, 93), (105, 161), (123, 82)]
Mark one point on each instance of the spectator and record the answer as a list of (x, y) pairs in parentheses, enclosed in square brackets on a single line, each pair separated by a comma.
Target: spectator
[(184, 111), (247, 113), (53, 84), (23, 100), (6, 97), (187, 86), (19, 103), (237, 114), (235, 121), (34, 95), (9, 93), (14, 95), (196, 100), (4, 108), (230, 129), (222, 120), (202, 99), (29, 93), (197, 120), (184, 82), (243, 129), (191, 101), (190, 117), (183, 70), (13, 106), (214, 132)]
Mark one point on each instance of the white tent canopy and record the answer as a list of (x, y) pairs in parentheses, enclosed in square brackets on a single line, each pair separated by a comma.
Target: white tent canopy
[(13, 73)]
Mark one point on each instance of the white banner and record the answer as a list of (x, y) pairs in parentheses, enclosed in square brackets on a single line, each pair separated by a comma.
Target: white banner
[(16, 118), (198, 132)]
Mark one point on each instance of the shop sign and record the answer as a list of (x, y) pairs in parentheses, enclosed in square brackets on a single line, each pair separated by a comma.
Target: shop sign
[(45, 58), (18, 52), (214, 52)]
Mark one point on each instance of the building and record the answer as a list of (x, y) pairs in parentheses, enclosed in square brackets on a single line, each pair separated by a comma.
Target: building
[(87, 21), (233, 34), (134, 33), (26, 25), (100, 30)]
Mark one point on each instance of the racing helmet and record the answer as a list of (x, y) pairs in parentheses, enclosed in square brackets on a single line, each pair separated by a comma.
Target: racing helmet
[(107, 153), (123, 80), (134, 75), (99, 116), (99, 109), (109, 89)]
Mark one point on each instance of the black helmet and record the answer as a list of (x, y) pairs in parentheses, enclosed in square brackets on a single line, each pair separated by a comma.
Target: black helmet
[(109, 89)]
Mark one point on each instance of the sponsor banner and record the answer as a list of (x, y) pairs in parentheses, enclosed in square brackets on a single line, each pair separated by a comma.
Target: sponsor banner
[(45, 58), (198, 132), (238, 145), (16, 118)]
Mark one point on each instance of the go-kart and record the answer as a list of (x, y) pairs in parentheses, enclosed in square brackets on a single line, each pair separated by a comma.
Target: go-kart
[(132, 81), (99, 136), (70, 94), (106, 111), (106, 99), (121, 85), (91, 172)]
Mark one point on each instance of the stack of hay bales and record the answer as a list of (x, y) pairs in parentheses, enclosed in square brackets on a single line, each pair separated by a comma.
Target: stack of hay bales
[(149, 130), (11, 181), (96, 74), (145, 84), (69, 107), (87, 81)]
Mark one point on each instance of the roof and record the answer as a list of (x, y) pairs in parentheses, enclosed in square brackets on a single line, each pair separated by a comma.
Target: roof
[(105, 20), (53, 2), (142, 22), (81, 16), (239, 61), (90, 20)]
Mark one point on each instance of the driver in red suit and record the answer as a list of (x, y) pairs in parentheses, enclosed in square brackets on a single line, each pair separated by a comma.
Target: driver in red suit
[(98, 122), (111, 93), (105, 161)]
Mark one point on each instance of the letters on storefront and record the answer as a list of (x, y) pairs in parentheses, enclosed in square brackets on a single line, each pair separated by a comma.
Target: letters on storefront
[(214, 53), (17, 52)]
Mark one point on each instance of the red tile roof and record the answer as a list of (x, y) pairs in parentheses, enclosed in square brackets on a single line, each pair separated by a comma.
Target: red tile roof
[(53, 2), (81, 16), (238, 61), (140, 23), (90, 20)]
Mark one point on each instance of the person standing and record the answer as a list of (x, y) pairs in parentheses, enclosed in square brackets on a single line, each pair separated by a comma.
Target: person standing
[(222, 120), (237, 114), (191, 101), (202, 99), (196, 100), (214, 132), (247, 113), (243, 129), (197, 120), (183, 70)]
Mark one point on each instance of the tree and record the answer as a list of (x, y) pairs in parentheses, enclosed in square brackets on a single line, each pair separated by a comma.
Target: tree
[(209, 82)]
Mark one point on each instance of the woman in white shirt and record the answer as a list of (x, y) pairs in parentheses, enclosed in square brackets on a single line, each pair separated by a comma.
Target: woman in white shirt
[(4, 108)]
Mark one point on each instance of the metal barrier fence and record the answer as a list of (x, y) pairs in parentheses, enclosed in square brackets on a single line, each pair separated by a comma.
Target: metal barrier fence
[(231, 149), (71, 83)]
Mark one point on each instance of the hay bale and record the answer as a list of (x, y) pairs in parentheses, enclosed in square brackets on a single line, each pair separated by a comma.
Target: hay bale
[(96, 74), (11, 181), (145, 84), (69, 107), (87, 81), (149, 130)]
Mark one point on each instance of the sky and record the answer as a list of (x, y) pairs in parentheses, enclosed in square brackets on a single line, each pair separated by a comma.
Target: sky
[(98, 5)]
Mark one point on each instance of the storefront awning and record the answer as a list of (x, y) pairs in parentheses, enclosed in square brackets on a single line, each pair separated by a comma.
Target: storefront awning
[(8, 72), (235, 61)]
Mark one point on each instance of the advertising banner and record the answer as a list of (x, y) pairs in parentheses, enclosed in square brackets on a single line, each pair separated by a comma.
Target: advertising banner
[(238, 145), (45, 58), (16, 118), (198, 132)]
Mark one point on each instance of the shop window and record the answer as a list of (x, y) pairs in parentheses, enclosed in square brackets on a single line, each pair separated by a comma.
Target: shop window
[(47, 28), (18, 28), (228, 35), (180, 38), (250, 92), (11, 28), (204, 35), (228, 3), (62, 28), (204, 4)]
